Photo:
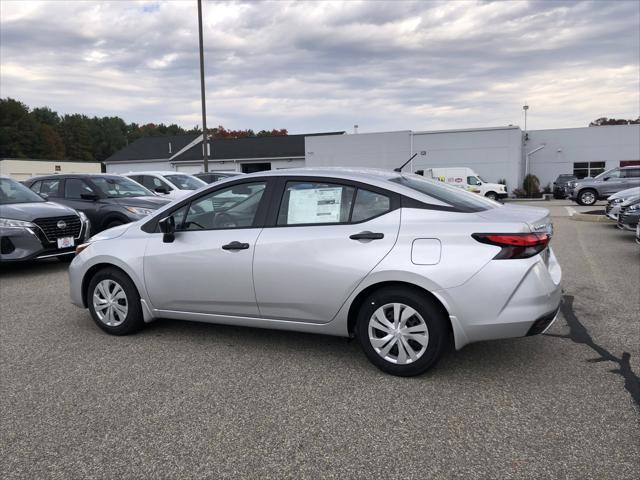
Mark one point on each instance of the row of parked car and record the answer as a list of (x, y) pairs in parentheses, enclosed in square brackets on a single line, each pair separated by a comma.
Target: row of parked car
[(48, 216), (624, 208), (587, 191)]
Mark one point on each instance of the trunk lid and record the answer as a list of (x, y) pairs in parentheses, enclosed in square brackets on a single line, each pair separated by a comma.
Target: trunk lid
[(537, 219)]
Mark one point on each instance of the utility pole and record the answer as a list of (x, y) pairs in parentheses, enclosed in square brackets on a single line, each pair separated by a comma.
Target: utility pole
[(205, 137)]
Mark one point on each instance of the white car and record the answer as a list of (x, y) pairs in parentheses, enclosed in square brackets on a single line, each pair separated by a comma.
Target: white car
[(466, 178), (167, 184), (405, 264)]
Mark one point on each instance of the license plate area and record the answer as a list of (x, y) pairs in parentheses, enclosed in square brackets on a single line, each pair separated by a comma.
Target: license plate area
[(65, 242)]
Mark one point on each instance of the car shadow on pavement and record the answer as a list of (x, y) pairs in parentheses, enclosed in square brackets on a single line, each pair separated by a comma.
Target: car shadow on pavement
[(23, 269)]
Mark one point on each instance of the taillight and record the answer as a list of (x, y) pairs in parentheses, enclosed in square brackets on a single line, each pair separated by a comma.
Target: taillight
[(515, 245)]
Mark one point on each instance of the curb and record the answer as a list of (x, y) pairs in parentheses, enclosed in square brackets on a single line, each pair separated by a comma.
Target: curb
[(584, 217)]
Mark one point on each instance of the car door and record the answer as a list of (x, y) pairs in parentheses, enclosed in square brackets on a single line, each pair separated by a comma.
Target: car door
[(327, 235), (74, 189), (612, 183), (208, 267)]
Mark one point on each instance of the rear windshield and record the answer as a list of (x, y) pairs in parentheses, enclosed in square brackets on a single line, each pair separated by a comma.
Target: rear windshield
[(454, 196)]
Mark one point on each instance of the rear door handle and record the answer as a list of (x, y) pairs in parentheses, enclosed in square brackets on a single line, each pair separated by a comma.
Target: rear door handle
[(235, 246), (367, 236)]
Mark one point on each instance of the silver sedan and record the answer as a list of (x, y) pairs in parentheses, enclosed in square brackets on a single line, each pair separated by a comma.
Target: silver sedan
[(405, 264)]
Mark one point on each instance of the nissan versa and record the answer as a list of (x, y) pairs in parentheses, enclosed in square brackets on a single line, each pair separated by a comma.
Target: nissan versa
[(405, 264), (32, 228)]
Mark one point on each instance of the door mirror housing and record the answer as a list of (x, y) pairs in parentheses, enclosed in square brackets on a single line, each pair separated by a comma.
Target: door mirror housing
[(168, 228), (44, 196), (89, 196), (163, 190)]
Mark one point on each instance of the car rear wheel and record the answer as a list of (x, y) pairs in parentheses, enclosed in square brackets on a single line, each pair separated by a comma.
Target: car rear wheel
[(587, 197), (401, 331), (114, 302)]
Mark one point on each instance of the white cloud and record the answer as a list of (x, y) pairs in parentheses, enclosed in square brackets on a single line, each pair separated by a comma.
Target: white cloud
[(327, 65)]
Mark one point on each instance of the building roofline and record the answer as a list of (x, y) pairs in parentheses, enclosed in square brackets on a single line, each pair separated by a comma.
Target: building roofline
[(479, 129), (47, 160), (584, 128)]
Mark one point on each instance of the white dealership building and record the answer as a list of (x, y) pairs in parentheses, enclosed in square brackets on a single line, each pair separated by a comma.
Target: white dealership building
[(494, 152)]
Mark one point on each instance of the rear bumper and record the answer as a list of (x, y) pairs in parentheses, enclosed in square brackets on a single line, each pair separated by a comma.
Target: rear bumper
[(506, 299)]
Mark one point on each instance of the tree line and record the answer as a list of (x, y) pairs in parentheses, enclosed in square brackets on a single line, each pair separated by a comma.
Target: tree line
[(42, 133)]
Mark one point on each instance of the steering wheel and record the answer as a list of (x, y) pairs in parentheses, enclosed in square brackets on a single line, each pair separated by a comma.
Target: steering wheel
[(224, 220)]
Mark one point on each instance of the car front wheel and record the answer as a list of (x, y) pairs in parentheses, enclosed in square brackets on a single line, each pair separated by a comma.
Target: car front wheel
[(492, 195), (587, 197), (114, 302), (402, 331)]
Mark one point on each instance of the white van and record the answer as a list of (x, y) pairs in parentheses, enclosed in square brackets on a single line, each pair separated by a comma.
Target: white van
[(466, 178)]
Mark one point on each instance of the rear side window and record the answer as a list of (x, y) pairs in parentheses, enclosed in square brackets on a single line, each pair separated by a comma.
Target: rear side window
[(456, 197), (631, 173), (369, 204), (49, 187), (313, 203), (153, 182)]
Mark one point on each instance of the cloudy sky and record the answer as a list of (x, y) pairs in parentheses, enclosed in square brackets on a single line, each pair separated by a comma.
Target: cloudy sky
[(327, 66)]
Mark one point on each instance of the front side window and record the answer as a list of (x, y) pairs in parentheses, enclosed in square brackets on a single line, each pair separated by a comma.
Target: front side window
[(76, 187), (232, 207), (15, 192), (473, 181), (185, 182), (120, 187), (305, 203)]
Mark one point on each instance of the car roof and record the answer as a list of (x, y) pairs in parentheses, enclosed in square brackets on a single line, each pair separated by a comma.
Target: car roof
[(358, 174), (73, 175), (156, 172)]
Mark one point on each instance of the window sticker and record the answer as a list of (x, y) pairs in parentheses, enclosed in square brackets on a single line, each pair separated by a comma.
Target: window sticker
[(316, 205)]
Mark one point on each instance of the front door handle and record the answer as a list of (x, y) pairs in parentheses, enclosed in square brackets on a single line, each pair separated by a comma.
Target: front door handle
[(367, 236), (235, 246)]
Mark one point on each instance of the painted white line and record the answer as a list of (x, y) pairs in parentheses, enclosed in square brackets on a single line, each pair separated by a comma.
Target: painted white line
[(571, 211)]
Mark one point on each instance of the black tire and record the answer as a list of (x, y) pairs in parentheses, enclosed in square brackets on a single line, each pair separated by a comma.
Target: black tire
[(492, 195), (587, 197), (435, 320), (133, 321), (114, 223)]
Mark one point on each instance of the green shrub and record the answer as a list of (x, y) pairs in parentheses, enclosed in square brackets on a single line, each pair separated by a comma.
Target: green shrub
[(531, 185)]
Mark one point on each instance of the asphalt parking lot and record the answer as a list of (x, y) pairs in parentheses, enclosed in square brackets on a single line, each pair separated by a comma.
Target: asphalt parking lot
[(187, 400)]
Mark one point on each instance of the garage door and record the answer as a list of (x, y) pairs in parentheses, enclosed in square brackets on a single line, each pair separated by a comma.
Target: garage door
[(189, 168)]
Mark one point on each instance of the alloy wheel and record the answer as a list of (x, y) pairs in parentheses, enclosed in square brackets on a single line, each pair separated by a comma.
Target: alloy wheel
[(398, 333), (110, 303), (588, 198)]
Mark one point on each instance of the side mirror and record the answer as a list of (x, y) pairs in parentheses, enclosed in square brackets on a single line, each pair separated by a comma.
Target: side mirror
[(163, 190), (89, 196), (168, 228), (44, 196)]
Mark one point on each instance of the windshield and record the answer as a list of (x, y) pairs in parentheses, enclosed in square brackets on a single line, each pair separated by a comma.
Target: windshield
[(614, 172), (14, 192), (481, 179), (117, 187), (185, 182), (454, 196)]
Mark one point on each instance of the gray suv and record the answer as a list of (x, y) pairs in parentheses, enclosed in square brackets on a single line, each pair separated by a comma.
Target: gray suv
[(589, 190)]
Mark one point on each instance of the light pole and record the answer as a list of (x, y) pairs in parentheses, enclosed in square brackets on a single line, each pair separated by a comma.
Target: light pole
[(205, 139), (525, 108)]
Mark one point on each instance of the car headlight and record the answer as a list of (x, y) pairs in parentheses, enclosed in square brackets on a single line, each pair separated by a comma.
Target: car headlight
[(571, 184), (634, 207), (10, 223), (140, 211), (617, 200)]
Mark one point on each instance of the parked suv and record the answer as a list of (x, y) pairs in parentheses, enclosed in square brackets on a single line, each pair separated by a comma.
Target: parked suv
[(33, 228), (170, 184), (589, 190), (107, 200), (561, 183), (629, 214)]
